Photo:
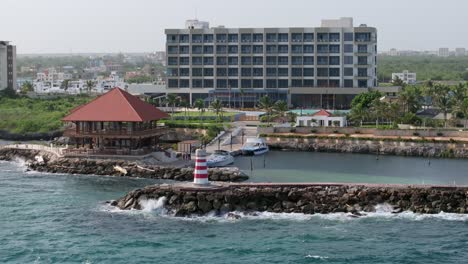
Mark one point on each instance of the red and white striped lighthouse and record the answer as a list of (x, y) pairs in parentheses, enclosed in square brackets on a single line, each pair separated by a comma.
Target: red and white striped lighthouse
[(201, 170)]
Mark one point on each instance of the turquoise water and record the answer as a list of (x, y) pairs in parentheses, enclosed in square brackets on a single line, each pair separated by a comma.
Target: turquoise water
[(47, 218)]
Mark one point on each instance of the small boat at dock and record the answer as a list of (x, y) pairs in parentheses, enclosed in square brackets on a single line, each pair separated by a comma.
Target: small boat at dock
[(219, 158), (254, 146)]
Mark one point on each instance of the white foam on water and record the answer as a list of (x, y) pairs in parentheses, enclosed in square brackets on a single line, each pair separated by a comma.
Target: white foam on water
[(316, 257), (152, 205)]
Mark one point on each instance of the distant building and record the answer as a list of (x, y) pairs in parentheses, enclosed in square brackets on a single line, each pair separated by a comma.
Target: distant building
[(7, 65), (393, 52), (444, 52), (460, 52), (406, 76)]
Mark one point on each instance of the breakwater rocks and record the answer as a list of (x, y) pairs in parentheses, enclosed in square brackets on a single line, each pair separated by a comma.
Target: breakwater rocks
[(53, 164), (185, 200), (30, 136), (387, 147)]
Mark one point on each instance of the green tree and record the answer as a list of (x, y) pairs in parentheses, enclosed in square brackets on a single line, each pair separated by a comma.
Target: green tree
[(411, 99), (398, 82), (200, 105), (27, 87), (281, 107), (185, 105), (267, 104), (172, 100), (364, 100), (463, 109), (89, 85), (217, 107), (65, 84), (442, 99)]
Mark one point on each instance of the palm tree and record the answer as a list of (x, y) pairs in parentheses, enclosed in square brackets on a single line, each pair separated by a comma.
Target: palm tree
[(462, 108), (27, 87), (281, 107), (185, 105), (359, 114), (172, 101), (241, 93), (200, 105), (65, 84), (459, 93), (217, 107), (266, 104), (442, 99), (411, 99), (89, 85)]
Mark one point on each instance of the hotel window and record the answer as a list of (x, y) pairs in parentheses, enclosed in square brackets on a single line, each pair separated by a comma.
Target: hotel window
[(283, 72), (348, 83), (334, 72), (308, 60), (322, 83), (271, 37), (257, 72), (362, 83), (282, 60), (246, 72), (184, 50), (348, 48), (184, 71), (208, 38), (322, 60), (246, 60), (308, 83), (334, 48), (246, 83), (233, 38), (207, 60), (308, 72), (197, 49), (322, 72), (296, 60), (172, 49), (197, 83), (334, 60), (362, 60), (172, 72), (271, 72), (184, 83), (171, 38), (362, 37), (308, 37), (246, 49), (334, 83), (257, 84), (271, 49), (296, 37), (232, 49), (308, 48), (173, 83), (221, 83), (348, 36), (221, 49), (258, 60), (208, 49), (283, 37), (257, 49), (283, 84), (282, 48), (233, 60), (348, 71), (221, 38), (257, 37), (322, 37), (184, 38), (221, 72), (208, 72), (362, 72), (296, 83), (334, 37), (172, 61), (207, 83), (362, 48), (221, 60), (197, 60), (296, 72), (296, 49), (197, 72), (246, 37), (271, 83), (348, 60), (233, 83), (322, 48), (197, 38), (271, 60), (233, 71)]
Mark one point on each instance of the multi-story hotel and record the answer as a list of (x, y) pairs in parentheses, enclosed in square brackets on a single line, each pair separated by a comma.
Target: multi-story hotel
[(7, 65), (323, 67)]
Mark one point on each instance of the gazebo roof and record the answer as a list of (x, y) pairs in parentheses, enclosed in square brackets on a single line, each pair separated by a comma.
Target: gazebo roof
[(116, 106), (323, 112)]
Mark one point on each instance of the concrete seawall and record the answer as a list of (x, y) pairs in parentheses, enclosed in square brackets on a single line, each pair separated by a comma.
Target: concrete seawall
[(307, 198)]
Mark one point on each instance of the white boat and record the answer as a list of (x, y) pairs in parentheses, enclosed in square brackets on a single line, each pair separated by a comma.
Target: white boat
[(219, 158), (254, 146)]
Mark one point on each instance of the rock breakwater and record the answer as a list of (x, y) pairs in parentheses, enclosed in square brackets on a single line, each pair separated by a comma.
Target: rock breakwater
[(184, 200)]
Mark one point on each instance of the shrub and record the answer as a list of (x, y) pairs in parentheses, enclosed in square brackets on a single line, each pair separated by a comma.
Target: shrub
[(416, 134), (357, 132), (313, 131), (293, 130), (439, 134)]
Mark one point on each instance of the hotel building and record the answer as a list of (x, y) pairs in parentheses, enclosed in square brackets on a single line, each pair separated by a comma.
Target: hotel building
[(7, 65), (322, 67)]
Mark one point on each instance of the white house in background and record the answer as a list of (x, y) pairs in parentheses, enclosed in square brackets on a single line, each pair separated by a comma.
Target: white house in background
[(321, 118), (406, 76)]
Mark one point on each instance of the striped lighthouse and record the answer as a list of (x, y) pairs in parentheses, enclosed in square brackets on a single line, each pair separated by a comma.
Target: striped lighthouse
[(201, 170)]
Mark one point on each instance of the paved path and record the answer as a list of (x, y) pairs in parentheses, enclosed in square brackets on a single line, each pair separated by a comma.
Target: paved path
[(236, 140)]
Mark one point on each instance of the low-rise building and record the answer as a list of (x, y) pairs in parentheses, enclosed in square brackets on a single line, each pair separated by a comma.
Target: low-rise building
[(444, 52), (406, 76), (322, 118), (460, 52)]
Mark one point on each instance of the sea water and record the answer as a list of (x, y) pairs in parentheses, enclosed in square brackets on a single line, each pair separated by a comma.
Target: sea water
[(59, 218)]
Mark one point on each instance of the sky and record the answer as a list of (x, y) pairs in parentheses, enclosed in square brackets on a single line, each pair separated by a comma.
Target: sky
[(84, 26)]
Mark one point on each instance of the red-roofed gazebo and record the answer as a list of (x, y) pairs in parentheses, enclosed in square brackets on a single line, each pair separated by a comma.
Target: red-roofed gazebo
[(114, 123)]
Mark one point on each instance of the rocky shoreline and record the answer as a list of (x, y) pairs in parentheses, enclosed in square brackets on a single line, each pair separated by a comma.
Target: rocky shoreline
[(186, 200), (52, 164)]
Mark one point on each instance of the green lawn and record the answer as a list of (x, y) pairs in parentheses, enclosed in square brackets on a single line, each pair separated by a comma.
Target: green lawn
[(206, 113)]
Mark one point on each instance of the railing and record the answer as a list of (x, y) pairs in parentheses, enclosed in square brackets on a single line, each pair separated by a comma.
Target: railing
[(54, 150), (73, 132), (123, 152)]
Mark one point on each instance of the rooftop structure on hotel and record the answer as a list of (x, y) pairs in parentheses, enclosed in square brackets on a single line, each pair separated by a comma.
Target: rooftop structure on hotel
[(114, 123)]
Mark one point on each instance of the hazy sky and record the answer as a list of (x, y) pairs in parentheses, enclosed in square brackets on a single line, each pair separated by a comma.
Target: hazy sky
[(63, 26)]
